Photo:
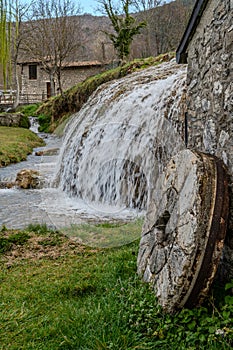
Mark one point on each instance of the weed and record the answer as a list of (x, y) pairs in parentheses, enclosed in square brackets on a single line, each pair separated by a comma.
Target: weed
[(5, 245), (6, 242), (40, 229)]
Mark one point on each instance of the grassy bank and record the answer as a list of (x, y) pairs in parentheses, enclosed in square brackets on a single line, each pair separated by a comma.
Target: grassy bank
[(16, 144), (57, 294)]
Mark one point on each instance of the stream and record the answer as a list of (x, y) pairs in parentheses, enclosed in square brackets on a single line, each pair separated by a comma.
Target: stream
[(112, 152), (49, 205)]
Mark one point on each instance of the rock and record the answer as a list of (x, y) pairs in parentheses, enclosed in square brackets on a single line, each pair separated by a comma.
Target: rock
[(14, 119), (27, 178), (184, 230), (6, 185), (47, 152)]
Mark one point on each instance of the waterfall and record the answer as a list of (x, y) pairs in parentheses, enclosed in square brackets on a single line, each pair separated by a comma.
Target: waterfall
[(115, 147)]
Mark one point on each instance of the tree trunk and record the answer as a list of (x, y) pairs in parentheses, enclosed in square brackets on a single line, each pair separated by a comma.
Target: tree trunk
[(16, 86), (52, 83)]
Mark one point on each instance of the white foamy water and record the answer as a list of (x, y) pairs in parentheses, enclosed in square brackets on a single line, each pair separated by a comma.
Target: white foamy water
[(116, 146), (112, 153)]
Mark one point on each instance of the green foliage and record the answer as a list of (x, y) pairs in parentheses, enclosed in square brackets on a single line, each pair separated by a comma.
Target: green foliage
[(24, 122), (5, 40), (29, 110), (39, 229), (44, 121), (6, 242), (5, 245), (125, 27)]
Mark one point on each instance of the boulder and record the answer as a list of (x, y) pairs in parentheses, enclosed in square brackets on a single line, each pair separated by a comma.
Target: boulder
[(14, 119), (28, 178), (47, 152)]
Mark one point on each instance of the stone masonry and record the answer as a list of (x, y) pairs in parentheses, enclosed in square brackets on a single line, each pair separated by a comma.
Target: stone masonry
[(210, 95)]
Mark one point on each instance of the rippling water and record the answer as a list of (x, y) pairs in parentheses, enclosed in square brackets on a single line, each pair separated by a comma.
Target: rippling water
[(19, 208)]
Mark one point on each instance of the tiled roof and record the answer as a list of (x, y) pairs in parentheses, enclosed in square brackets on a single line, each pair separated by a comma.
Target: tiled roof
[(66, 64)]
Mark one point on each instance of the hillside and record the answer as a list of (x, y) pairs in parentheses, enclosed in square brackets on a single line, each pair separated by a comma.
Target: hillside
[(166, 25)]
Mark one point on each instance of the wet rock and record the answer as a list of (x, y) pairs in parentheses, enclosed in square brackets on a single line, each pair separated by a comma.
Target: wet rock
[(28, 178), (184, 230), (6, 185), (47, 152)]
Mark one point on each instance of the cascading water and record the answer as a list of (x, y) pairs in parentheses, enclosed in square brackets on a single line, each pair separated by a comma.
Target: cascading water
[(112, 153), (116, 146)]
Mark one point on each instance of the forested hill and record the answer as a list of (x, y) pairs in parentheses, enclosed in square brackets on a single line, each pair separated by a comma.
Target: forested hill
[(165, 26)]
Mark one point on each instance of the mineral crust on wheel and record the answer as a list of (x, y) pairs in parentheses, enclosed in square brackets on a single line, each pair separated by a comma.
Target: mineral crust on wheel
[(184, 230)]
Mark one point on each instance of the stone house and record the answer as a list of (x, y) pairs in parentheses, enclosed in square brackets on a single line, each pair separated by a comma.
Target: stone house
[(207, 48), (35, 83)]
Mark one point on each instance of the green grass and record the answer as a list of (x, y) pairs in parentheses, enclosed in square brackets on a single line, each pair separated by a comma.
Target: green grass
[(106, 235), (92, 299), (16, 144), (28, 110)]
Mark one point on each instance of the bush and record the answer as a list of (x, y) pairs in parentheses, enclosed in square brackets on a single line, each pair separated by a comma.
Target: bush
[(24, 122), (44, 121)]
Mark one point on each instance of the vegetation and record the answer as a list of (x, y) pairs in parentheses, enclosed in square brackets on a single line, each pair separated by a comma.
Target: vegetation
[(12, 14), (125, 27), (5, 34), (31, 110), (57, 294), (16, 144), (28, 110), (106, 234), (72, 100)]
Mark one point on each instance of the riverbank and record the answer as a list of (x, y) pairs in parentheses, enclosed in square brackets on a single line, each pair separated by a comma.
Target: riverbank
[(16, 144), (58, 294)]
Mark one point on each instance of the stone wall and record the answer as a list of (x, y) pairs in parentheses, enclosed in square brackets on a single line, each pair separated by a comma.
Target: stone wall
[(73, 76), (210, 95), (37, 88)]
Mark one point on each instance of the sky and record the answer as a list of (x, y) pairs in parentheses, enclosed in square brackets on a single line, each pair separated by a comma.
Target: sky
[(89, 6)]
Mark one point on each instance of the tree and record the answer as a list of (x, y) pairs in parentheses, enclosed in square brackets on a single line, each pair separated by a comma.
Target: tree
[(53, 36), (12, 14), (19, 32), (124, 25), (146, 10), (5, 34), (166, 23)]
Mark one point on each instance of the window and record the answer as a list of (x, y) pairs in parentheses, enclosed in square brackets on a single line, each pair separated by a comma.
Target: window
[(32, 71)]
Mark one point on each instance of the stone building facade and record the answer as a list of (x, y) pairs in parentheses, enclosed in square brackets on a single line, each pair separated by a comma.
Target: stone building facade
[(207, 48), (35, 82)]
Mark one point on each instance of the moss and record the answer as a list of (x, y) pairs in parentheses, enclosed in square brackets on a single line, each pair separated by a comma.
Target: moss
[(24, 122)]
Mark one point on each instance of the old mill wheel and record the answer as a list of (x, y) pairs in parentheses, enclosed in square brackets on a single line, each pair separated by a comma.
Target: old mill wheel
[(184, 230)]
